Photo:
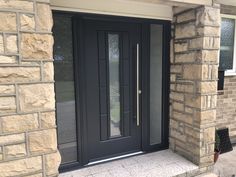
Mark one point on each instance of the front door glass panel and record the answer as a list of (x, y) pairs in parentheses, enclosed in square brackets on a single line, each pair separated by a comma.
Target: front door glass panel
[(64, 87), (114, 80), (155, 83)]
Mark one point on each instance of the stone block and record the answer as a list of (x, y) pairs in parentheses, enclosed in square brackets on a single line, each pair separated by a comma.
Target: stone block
[(181, 47), (27, 22), (185, 88), (19, 123), (181, 117), (185, 58), (208, 56), (1, 45), (193, 101), (172, 77), (208, 31), (11, 44), (36, 97), (21, 167), (48, 71), (44, 17), (188, 16), (19, 74), (7, 105), (7, 59), (17, 5), (214, 72), (12, 139), (204, 117), (176, 69), (213, 101), (177, 96), (7, 89), (42, 141), (209, 135), (208, 16), (188, 110), (52, 161), (185, 31), (174, 124), (36, 175), (36, 46), (205, 43), (8, 20), (195, 72), (206, 161), (178, 106), (48, 120), (207, 87), (193, 132), (14, 151)]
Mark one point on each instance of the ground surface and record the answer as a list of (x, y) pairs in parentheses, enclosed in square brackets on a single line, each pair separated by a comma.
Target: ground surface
[(158, 164), (226, 164)]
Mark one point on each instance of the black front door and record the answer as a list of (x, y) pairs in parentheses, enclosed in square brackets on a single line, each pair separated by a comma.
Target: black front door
[(112, 86), (110, 56)]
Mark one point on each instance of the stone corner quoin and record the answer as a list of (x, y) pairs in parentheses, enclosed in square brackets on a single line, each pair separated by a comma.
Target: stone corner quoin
[(194, 73), (28, 142)]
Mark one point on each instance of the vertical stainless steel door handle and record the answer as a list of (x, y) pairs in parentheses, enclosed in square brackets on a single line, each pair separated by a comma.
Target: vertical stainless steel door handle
[(138, 91)]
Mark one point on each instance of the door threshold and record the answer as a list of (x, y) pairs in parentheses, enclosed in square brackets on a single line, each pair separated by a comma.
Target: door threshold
[(115, 158)]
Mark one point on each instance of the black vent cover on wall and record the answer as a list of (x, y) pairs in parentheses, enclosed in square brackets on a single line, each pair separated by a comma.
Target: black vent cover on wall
[(225, 143)]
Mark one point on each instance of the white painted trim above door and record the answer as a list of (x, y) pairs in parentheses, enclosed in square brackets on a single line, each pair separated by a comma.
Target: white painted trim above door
[(115, 7)]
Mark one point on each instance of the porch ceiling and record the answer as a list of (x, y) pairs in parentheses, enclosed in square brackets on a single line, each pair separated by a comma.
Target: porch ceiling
[(178, 2)]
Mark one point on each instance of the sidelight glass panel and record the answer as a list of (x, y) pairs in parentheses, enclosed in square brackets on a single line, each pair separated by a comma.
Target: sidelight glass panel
[(114, 84), (156, 83), (227, 44), (64, 87)]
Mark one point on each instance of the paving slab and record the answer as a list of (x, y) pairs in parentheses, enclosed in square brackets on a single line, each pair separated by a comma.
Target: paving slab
[(158, 164)]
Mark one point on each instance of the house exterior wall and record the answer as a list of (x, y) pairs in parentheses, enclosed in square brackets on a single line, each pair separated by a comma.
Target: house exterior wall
[(226, 99), (28, 143), (194, 75)]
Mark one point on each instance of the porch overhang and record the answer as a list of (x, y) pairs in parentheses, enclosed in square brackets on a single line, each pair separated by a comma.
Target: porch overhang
[(227, 2), (127, 8)]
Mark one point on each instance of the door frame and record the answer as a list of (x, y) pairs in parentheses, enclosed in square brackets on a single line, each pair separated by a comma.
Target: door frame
[(80, 90)]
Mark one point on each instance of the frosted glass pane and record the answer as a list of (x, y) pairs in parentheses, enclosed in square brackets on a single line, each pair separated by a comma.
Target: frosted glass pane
[(156, 84), (227, 43), (114, 80)]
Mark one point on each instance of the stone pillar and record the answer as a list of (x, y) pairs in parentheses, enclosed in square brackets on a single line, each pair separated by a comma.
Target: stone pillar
[(28, 140), (194, 75)]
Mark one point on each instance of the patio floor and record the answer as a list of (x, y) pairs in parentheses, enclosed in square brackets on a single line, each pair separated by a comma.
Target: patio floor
[(226, 164), (158, 164)]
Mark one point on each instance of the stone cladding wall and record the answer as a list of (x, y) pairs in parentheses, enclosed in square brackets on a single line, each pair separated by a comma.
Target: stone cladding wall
[(194, 74), (28, 140)]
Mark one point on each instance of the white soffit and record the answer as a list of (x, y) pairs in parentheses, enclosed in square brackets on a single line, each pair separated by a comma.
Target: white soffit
[(227, 2), (115, 7)]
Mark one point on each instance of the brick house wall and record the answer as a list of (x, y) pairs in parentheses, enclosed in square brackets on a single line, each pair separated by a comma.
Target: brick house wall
[(226, 99)]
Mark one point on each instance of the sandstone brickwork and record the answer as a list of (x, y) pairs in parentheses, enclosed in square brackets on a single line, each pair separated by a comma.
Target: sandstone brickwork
[(28, 142), (194, 73)]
